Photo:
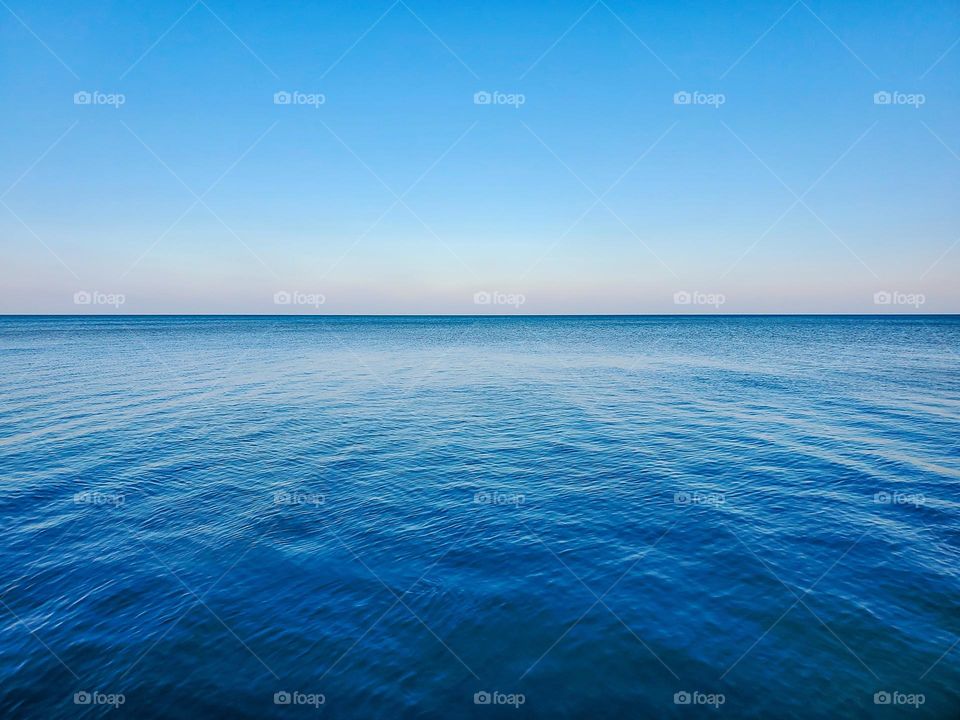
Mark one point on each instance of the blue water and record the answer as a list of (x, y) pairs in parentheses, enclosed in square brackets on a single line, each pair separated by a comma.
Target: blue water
[(585, 515)]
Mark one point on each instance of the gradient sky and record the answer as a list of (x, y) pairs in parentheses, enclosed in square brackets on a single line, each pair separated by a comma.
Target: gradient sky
[(493, 198)]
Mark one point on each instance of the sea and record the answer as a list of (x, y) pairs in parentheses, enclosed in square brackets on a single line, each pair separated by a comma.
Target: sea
[(480, 517)]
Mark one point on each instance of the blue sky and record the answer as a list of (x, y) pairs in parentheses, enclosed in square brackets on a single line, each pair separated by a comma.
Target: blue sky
[(784, 186)]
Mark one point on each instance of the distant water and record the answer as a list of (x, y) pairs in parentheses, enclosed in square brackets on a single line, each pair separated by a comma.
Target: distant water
[(601, 515)]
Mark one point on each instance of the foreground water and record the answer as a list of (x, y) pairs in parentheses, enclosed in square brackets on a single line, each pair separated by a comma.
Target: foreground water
[(407, 517)]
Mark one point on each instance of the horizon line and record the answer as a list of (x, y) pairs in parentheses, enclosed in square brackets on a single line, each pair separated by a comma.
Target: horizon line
[(464, 315)]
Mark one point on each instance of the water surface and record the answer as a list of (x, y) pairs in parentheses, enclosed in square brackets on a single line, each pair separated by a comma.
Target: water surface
[(398, 513)]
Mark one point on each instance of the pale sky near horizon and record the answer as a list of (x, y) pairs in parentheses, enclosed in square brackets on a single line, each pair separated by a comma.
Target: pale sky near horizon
[(495, 157)]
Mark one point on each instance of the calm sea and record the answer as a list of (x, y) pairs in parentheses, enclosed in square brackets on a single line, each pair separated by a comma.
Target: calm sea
[(610, 517)]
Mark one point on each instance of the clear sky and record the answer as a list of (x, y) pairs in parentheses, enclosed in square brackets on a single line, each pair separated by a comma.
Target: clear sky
[(584, 185)]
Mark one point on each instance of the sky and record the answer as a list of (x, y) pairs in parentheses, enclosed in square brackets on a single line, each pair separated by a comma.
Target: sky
[(489, 157)]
